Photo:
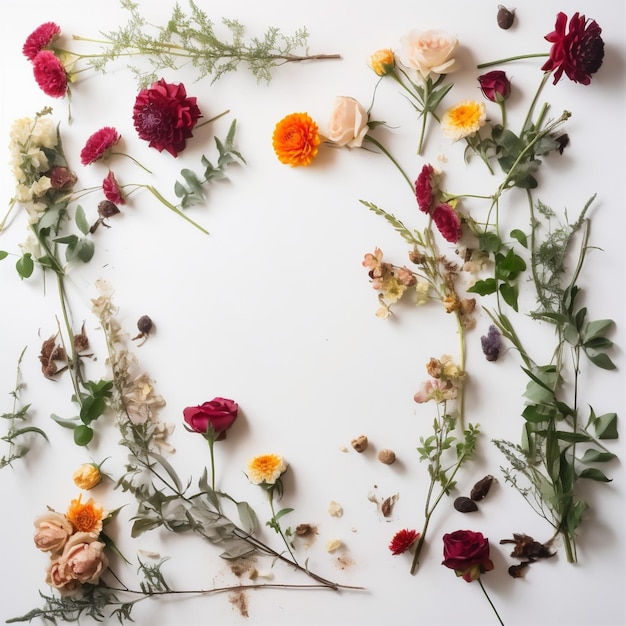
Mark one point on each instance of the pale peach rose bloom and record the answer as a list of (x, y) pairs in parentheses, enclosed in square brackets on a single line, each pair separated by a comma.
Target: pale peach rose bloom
[(429, 52), (53, 531), (348, 123)]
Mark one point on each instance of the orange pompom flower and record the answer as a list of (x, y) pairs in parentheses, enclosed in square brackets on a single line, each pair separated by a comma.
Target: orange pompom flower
[(86, 517), (295, 139)]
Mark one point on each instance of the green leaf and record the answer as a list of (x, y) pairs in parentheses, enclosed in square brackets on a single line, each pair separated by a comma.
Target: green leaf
[(81, 220), (606, 426), (167, 467), (92, 408), (489, 242), (564, 435), (533, 413), (595, 474), (484, 287), (3, 254), (282, 513), (575, 515), (596, 329), (602, 360), (83, 435), (84, 250), (596, 456), (247, 517), (520, 236), (66, 423), (509, 294), (30, 429), (25, 265)]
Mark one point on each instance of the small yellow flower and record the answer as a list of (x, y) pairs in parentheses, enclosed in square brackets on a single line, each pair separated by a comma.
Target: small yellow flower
[(392, 288), (86, 517), (382, 62), (267, 469), (463, 120), (87, 476)]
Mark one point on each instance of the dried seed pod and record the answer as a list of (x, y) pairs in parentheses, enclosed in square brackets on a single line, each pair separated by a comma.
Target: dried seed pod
[(465, 505), (505, 17), (144, 324), (387, 456), (304, 530), (360, 443), (481, 488)]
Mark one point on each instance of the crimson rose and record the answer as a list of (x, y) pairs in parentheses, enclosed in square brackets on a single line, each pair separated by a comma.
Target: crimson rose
[(214, 417), (165, 116), (467, 553), (495, 86), (579, 52)]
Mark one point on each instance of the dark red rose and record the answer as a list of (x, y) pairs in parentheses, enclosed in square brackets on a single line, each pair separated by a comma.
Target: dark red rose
[(495, 86), (39, 39), (111, 189), (50, 74), (165, 116), (448, 222), (403, 540), (578, 52), (61, 178), (214, 417), (467, 553), (99, 144), (425, 188)]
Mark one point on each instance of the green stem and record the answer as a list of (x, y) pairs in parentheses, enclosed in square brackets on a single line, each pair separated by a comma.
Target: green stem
[(514, 58), (211, 441), (391, 158), (277, 526), (480, 582), (173, 208), (133, 159)]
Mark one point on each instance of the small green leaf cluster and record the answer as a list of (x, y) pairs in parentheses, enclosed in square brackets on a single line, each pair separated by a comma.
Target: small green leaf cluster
[(191, 190)]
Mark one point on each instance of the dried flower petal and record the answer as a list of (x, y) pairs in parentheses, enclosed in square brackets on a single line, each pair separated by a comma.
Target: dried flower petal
[(403, 540)]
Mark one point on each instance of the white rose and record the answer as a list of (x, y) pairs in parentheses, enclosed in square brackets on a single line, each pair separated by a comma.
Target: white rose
[(348, 123), (429, 51)]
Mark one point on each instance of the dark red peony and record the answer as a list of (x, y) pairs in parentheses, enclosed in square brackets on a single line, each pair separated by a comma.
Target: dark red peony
[(61, 178), (578, 52), (50, 74), (403, 540), (165, 116), (99, 144), (111, 189), (212, 418), (40, 39), (425, 188), (467, 553), (448, 222), (495, 86)]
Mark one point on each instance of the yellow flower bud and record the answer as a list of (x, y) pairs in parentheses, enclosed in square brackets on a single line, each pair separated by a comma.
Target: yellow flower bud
[(382, 62), (87, 476)]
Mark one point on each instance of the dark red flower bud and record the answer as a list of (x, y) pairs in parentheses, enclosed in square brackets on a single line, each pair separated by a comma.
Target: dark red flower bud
[(495, 86)]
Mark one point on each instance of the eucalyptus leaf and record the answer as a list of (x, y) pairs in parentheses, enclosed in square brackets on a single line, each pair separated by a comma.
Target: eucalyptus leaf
[(595, 474)]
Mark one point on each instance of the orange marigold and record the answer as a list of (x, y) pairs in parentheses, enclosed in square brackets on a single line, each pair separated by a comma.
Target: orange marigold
[(86, 517), (295, 139)]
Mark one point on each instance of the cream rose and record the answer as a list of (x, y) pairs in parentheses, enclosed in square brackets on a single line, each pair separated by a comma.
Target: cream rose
[(348, 123), (429, 52), (83, 559), (53, 531)]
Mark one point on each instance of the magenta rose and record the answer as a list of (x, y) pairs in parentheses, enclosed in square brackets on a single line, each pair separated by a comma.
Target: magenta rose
[(214, 417), (578, 52), (495, 86), (165, 116), (467, 553)]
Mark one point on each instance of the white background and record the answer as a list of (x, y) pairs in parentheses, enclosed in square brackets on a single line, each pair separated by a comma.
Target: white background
[(274, 310)]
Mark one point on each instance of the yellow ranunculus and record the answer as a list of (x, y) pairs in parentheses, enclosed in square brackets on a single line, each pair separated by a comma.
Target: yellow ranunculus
[(87, 476)]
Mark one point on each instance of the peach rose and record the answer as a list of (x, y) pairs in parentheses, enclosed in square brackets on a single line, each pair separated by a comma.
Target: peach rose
[(348, 123), (429, 52), (53, 530), (83, 559)]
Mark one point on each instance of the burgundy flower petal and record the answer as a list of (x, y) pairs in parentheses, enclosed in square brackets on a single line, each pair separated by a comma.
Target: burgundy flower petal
[(39, 39), (99, 144), (50, 74)]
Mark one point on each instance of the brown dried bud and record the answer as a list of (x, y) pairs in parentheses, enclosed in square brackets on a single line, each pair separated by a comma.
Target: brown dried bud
[(47, 347), (107, 209), (527, 548), (360, 443), (144, 324), (505, 17), (81, 341), (415, 256), (563, 141), (386, 456), (481, 488), (465, 505), (304, 530)]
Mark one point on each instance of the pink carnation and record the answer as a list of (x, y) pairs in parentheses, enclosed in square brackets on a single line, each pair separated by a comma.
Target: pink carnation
[(112, 191), (448, 222), (40, 39), (50, 74), (98, 145)]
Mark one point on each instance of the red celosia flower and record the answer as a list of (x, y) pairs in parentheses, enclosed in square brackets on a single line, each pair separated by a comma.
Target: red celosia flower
[(98, 145), (50, 74), (579, 52), (425, 188), (165, 116), (39, 39), (112, 191), (448, 222), (403, 540)]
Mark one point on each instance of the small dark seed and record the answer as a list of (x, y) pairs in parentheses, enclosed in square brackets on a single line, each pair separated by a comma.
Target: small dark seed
[(107, 209), (481, 488), (506, 17), (465, 505), (144, 324)]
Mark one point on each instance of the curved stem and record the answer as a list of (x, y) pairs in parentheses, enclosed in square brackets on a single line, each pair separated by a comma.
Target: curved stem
[(277, 526), (391, 158), (173, 208), (514, 58)]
